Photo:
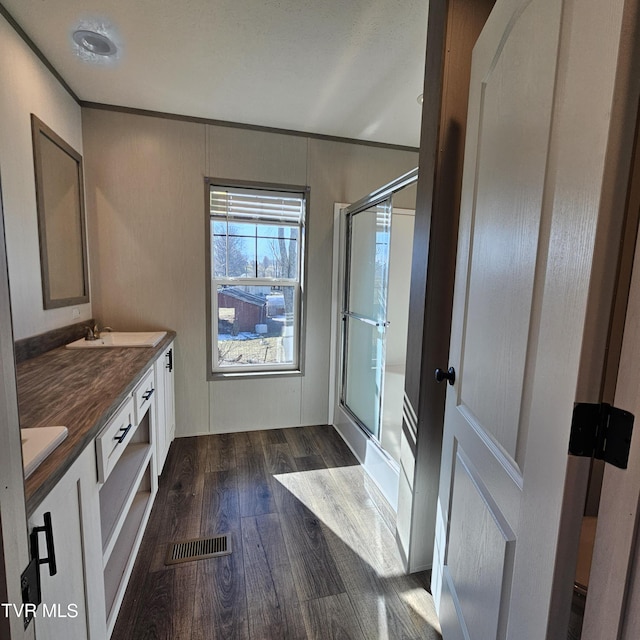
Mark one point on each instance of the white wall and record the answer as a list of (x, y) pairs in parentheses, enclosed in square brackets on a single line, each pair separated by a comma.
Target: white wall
[(399, 283), (398, 318), (146, 209), (28, 87)]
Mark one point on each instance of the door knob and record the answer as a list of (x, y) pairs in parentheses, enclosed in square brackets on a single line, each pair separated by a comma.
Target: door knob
[(442, 375)]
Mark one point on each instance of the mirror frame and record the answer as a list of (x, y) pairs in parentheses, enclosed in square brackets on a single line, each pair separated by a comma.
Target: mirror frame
[(39, 129)]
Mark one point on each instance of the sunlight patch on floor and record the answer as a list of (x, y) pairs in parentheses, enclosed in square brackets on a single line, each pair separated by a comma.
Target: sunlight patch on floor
[(359, 527), (383, 631), (340, 499), (420, 602)]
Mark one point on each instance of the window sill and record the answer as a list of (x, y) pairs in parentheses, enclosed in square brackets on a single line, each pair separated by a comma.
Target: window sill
[(242, 375)]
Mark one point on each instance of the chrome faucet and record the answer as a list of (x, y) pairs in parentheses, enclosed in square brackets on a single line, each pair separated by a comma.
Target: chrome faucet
[(93, 333)]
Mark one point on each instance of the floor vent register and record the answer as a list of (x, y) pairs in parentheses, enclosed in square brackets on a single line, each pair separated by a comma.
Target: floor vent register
[(199, 549)]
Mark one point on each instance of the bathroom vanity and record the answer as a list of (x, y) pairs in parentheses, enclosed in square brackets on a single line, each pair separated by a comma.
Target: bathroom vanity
[(99, 484)]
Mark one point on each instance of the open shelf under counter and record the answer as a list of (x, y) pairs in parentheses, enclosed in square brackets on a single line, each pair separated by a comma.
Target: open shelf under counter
[(125, 546), (119, 491)]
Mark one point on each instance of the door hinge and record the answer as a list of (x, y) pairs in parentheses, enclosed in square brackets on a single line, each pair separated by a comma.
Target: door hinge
[(601, 431)]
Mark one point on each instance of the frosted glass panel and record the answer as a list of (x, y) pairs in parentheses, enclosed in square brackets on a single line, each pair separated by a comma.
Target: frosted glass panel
[(363, 372), (369, 237), (365, 312)]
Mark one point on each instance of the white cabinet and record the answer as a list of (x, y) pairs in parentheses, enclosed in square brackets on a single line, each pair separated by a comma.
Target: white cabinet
[(99, 511), (70, 606), (165, 405)]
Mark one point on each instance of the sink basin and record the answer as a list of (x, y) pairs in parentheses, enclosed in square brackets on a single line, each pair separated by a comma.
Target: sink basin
[(37, 444), (120, 339)]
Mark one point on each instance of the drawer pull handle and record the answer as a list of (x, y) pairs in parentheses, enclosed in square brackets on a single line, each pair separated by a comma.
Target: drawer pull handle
[(35, 547), (123, 435), (147, 394)]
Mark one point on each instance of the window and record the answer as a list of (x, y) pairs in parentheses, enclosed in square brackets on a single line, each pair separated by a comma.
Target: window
[(256, 240)]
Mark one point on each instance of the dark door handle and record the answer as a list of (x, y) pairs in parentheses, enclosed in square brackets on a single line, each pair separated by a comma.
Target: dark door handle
[(35, 547), (442, 375)]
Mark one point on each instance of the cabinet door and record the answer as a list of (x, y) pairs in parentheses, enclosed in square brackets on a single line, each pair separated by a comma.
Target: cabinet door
[(169, 395), (165, 408), (160, 426), (68, 609)]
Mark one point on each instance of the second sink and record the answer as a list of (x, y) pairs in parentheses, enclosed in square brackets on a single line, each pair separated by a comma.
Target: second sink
[(38, 443), (120, 339)]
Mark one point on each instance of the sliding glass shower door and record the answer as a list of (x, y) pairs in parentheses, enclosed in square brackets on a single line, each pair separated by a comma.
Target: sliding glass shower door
[(364, 313)]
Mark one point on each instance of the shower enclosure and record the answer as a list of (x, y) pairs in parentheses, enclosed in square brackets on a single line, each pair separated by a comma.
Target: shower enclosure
[(371, 283)]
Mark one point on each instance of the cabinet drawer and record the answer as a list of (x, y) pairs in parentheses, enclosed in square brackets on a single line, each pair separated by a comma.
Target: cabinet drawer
[(113, 439), (143, 394)]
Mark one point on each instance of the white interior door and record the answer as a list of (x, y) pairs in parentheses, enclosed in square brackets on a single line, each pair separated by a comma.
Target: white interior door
[(529, 211)]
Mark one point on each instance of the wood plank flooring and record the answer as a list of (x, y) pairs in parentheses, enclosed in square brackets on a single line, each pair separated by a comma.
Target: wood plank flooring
[(314, 554)]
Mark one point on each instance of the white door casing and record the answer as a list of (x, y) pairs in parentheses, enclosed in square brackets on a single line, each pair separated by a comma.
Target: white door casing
[(613, 601), (612, 608), (534, 164), (14, 546), (617, 552)]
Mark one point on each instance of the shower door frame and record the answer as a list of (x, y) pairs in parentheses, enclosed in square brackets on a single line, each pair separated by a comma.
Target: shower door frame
[(382, 468), (350, 319)]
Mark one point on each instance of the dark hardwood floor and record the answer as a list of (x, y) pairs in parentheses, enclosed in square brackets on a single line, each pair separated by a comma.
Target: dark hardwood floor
[(314, 554)]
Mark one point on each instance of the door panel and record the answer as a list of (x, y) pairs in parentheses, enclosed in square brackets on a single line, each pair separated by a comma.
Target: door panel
[(369, 237), (364, 312), (478, 546), (515, 117)]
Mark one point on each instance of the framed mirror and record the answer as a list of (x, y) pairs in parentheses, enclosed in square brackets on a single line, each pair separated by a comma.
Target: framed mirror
[(61, 218)]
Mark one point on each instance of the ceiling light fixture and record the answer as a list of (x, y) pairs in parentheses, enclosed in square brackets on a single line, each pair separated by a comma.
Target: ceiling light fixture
[(420, 98), (94, 42)]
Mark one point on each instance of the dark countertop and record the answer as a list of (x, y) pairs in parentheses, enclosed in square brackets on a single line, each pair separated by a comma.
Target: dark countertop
[(80, 389)]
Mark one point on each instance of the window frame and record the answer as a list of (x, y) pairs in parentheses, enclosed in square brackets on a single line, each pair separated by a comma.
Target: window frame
[(215, 372)]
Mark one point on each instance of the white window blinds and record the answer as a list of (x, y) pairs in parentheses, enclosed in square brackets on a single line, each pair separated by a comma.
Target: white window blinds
[(244, 205)]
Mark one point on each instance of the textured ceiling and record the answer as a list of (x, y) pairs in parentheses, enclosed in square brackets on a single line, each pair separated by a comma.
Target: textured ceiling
[(351, 68)]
